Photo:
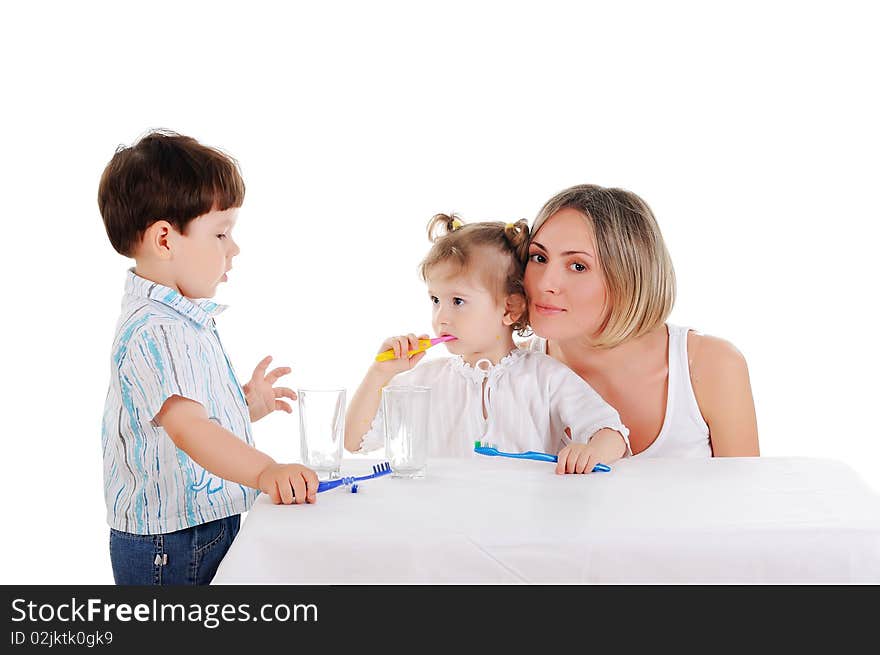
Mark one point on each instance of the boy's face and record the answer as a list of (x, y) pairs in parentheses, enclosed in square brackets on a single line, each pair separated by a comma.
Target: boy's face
[(463, 307), (204, 254)]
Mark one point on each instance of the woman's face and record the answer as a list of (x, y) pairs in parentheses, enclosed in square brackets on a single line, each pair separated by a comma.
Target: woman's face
[(563, 280)]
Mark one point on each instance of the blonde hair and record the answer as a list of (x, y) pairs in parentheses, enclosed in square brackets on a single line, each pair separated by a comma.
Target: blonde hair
[(460, 244), (631, 254)]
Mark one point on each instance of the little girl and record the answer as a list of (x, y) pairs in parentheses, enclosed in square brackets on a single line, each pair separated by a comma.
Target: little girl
[(489, 390)]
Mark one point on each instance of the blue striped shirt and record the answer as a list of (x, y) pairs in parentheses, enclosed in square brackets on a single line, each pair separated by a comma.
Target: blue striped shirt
[(165, 345)]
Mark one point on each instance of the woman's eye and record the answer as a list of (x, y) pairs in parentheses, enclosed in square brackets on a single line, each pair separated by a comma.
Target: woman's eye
[(577, 266), (537, 257), (457, 301), (221, 236), (435, 300)]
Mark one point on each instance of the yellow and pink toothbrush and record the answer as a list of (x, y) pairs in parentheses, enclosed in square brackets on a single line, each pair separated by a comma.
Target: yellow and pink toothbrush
[(424, 344)]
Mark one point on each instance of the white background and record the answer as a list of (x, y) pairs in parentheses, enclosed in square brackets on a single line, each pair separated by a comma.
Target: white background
[(751, 131)]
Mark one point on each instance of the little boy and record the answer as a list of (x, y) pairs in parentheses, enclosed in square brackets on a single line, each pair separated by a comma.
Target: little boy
[(179, 461)]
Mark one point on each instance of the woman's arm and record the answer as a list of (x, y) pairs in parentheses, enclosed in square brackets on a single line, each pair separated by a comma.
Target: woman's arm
[(720, 378)]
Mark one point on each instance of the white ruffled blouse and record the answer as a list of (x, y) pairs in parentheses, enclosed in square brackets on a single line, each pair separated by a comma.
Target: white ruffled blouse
[(530, 399)]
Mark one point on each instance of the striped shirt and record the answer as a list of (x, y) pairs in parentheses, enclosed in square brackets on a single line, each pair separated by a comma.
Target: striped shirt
[(167, 344)]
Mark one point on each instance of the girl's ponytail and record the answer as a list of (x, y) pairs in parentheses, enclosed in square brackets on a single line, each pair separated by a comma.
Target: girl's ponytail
[(517, 236), (441, 225)]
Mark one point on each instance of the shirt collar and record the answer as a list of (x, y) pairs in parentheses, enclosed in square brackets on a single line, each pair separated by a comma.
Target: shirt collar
[(201, 311), (479, 373)]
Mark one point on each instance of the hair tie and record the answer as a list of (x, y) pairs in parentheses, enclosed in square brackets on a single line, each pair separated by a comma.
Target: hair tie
[(509, 225), (456, 224)]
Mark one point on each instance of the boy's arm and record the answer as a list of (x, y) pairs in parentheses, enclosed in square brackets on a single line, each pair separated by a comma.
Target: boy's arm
[(365, 402), (219, 451)]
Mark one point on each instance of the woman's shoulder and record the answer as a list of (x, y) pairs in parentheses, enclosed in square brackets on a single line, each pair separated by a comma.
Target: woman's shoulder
[(717, 368), (711, 353)]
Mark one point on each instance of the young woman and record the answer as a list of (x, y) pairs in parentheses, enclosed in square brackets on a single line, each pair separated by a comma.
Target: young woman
[(600, 285)]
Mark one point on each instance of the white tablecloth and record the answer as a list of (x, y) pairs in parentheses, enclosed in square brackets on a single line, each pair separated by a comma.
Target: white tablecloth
[(493, 520)]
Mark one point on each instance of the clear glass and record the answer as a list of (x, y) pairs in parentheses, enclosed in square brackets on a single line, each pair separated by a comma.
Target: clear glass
[(321, 429), (406, 430)]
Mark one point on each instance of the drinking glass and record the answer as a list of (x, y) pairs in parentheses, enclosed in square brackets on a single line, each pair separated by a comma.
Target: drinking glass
[(322, 429), (405, 410)]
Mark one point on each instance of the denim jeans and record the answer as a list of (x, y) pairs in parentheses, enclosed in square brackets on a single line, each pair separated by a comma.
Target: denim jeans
[(185, 557)]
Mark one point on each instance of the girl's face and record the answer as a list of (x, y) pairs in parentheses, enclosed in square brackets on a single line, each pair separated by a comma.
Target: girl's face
[(564, 283), (463, 307)]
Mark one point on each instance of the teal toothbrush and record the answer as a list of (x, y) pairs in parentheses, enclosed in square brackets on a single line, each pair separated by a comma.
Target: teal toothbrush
[(481, 449)]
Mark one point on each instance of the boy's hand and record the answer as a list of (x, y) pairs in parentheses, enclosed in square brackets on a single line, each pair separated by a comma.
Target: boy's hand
[(606, 446), (289, 483), (401, 346), (262, 398)]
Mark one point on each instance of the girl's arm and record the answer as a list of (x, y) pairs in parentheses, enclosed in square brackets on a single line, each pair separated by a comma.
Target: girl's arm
[(365, 402), (594, 426), (606, 446), (363, 407), (720, 378)]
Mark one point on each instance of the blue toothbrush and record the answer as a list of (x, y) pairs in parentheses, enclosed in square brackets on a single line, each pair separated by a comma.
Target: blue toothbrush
[(378, 471), (480, 449)]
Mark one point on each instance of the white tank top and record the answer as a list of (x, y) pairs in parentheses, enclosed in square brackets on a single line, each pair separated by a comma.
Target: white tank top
[(684, 432)]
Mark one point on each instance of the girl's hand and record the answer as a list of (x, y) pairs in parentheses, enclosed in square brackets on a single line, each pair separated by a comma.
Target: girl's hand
[(606, 446), (262, 398), (402, 362)]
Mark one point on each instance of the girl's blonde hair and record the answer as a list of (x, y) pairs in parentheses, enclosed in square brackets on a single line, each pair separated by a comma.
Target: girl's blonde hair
[(631, 254), (466, 245)]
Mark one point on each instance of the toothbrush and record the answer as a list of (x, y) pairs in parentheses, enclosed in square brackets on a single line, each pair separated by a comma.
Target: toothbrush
[(424, 344), (378, 471), (481, 449)]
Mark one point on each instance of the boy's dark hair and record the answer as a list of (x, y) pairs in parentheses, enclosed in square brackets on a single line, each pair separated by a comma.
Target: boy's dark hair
[(164, 176)]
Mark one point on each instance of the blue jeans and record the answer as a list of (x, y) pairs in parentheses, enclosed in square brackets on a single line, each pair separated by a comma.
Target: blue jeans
[(186, 557)]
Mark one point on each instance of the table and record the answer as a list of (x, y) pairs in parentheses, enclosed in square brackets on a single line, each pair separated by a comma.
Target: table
[(483, 520)]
